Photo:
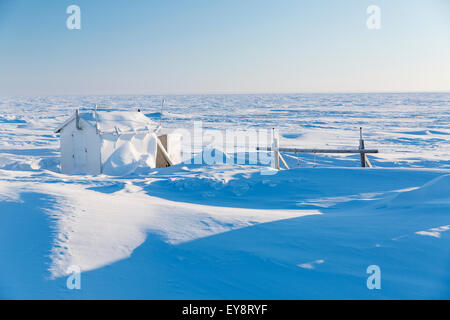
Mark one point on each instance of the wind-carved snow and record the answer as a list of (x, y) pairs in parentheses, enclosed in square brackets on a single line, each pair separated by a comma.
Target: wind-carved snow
[(6, 194), (311, 265), (434, 232), (95, 229), (226, 231)]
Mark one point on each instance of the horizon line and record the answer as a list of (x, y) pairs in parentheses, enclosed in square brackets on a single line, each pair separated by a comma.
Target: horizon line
[(224, 93)]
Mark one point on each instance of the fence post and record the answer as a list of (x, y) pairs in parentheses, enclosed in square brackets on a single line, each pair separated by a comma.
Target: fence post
[(276, 152), (361, 147)]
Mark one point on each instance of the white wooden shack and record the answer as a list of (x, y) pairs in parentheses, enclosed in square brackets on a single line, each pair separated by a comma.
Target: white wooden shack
[(114, 143)]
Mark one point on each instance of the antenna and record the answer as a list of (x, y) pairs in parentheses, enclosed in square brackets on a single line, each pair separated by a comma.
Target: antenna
[(161, 114), (96, 118), (77, 119)]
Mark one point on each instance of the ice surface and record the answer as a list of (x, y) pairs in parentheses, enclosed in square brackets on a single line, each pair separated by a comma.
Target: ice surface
[(227, 231)]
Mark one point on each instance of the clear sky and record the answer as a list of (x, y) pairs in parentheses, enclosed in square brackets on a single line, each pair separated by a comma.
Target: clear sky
[(223, 46)]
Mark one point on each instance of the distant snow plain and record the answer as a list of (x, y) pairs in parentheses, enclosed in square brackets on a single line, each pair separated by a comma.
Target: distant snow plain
[(224, 231)]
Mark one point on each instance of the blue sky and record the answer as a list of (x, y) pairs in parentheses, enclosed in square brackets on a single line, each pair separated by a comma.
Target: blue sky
[(223, 46)]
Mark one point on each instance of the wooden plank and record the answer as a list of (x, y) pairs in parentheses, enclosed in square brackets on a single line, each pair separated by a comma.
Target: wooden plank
[(164, 153), (282, 160), (367, 161), (297, 150)]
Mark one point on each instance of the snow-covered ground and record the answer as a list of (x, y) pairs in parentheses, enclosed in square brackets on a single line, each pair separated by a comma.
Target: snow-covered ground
[(227, 231)]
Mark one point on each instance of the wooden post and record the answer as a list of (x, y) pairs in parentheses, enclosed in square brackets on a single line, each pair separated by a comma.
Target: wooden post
[(361, 147), (276, 152), (276, 149), (162, 149)]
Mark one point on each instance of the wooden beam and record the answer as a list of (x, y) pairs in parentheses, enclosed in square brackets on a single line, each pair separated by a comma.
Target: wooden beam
[(297, 150), (282, 160), (367, 161), (164, 152)]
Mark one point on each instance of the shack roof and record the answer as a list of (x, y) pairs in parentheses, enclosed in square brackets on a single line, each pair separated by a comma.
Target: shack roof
[(108, 121)]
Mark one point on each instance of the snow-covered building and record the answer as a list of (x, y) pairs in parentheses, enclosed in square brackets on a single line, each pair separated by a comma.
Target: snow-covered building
[(114, 143)]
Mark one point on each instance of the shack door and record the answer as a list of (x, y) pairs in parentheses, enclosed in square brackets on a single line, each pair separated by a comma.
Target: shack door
[(79, 151)]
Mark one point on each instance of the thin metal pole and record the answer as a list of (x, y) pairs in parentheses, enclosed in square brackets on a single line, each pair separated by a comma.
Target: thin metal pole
[(96, 119), (162, 107)]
